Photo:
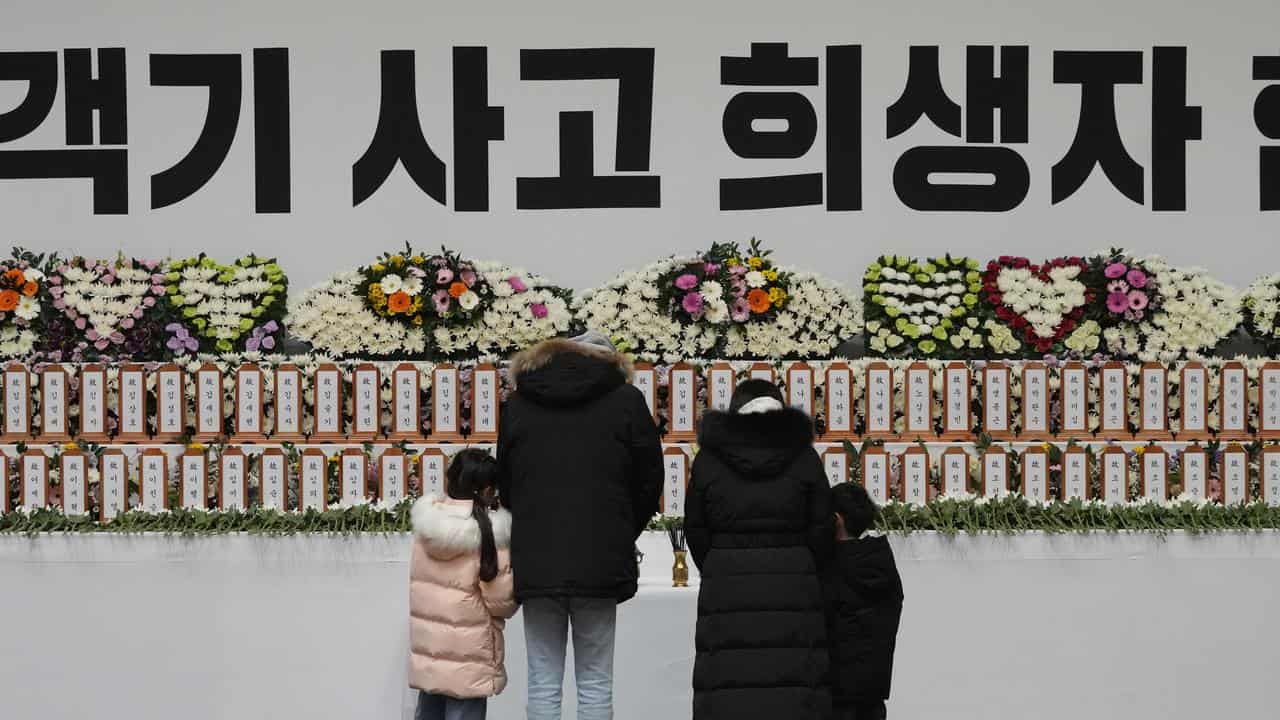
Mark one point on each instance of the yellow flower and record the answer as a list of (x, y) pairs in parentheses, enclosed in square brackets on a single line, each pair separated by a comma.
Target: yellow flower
[(732, 262), (755, 263), (416, 260), (770, 275), (70, 446), (195, 446), (777, 294), (1140, 449), (417, 320), (1045, 446), (397, 260), (378, 267)]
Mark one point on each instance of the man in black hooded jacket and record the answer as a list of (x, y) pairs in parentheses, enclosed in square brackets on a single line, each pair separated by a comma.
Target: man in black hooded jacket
[(580, 468)]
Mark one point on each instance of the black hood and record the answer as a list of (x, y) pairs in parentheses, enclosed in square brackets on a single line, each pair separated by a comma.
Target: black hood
[(561, 373), (867, 567), (757, 444)]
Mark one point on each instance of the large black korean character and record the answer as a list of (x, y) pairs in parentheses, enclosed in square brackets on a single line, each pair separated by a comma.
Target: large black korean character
[(475, 125), (398, 137), (987, 92), (221, 74), (84, 95), (1097, 141), (770, 65), (578, 186), (1266, 116)]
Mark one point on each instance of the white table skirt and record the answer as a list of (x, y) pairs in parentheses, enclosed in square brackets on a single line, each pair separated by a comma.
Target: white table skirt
[(313, 627)]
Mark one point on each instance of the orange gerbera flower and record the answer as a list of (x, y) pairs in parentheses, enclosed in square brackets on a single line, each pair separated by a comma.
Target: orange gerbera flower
[(457, 290), (8, 300), (759, 301), (30, 288), (398, 302), (15, 276)]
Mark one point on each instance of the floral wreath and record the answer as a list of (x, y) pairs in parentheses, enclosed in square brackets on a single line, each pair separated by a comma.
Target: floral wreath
[(1131, 291), (107, 308), (225, 308), (1042, 302), (925, 302), (425, 292), (725, 285), (23, 281)]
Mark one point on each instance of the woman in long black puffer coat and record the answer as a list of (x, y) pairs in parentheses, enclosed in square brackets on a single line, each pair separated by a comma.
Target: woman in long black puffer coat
[(759, 524)]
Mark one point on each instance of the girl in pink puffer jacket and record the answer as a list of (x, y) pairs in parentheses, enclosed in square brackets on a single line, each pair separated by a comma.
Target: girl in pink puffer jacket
[(460, 593)]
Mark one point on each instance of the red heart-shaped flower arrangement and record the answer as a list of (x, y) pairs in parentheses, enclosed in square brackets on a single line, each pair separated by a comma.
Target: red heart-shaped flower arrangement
[(1041, 302)]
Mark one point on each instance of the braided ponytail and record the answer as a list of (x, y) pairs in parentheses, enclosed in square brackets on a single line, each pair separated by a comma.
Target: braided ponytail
[(473, 475)]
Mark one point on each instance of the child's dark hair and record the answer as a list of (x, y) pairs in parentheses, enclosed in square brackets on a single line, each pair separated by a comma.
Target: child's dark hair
[(852, 503), (473, 475)]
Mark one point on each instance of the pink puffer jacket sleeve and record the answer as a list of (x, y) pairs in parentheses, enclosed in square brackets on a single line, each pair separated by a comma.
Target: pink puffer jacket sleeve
[(499, 593)]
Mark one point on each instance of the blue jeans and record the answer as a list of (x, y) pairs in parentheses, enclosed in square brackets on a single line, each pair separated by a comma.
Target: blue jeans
[(546, 625), (440, 707)]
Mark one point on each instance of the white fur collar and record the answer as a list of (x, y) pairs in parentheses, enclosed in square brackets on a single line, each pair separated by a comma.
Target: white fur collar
[(449, 529)]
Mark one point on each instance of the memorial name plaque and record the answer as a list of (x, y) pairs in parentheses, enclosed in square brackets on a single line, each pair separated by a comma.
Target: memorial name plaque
[(93, 404), (1235, 475), (287, 397), (313, 480), (74, 466), (721, 382), (1115, 402), (918, 407), (35, 480), (763, 371), (683, 397), (1269, 401), (1195, 473), (1155, 474), (54, 386), (915, 475), (194, 484), (484, 404), (957, 417), (836, 463), (1193, 387), (838, 393), (1075, 401), (114, 469), (1035, 402), (17, 404), (1075, 473), (354, 485), (446, 402), (1035, 474), (1233, 404), (800, 388), (171, 403), (879, 412), (393, 477), (1115, 475), (273, 480), (955, 472), (875, 473), (366, 402), (327, 404), (675, 481), (233, 480), (646, 380), (250, 414), (431, 470), (1153, 416), (209, 402), (1271, 475), (153, 480), (995, 473), (406, 415), (995, 401)]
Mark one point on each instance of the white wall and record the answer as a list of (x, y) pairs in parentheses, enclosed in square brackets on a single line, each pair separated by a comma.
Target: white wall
[(334, 50), (237, 627)]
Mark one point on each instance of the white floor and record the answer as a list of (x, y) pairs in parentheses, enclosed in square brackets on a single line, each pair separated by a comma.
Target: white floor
[(312, 628)]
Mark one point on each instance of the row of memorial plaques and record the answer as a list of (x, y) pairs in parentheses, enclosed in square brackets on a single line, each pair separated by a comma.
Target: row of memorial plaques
[(232, 491), (993, 474), (249, 417), (957, 421), (1114, 474)]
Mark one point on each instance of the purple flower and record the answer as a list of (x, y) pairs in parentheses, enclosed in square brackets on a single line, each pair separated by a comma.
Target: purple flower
[(444, 276), (1137, 278), (1117, 302), (688, 281), (181, 342), (539, 310), (1117, 286), (468, 277), (441, 300), (692, 303), (517, 284), (1137, 300), (1115, 270), (738, 270), (263, 337), (710, 268), (741, 310)]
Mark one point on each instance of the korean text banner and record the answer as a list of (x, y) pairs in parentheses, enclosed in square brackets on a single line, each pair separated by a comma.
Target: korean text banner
[(579, 138)]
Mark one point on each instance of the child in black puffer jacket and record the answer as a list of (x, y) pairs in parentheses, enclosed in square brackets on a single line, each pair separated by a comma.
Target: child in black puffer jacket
[(864, 604)]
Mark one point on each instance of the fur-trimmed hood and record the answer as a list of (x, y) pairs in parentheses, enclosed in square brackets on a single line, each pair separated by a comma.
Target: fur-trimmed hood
[(757, 444), (559, 372), (449, 529)]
